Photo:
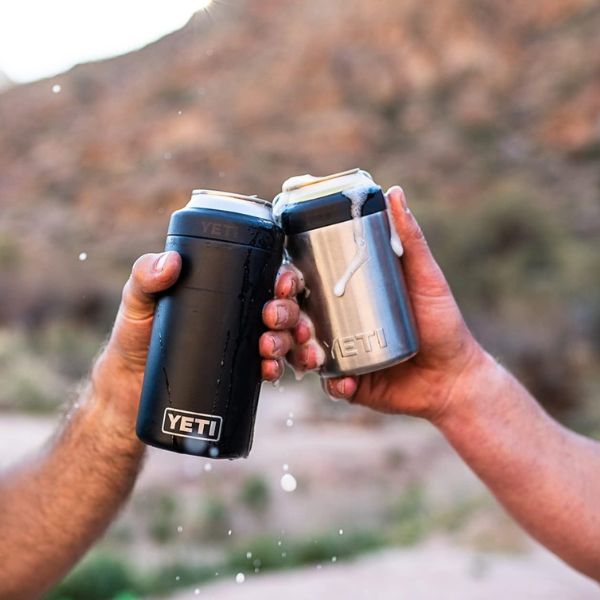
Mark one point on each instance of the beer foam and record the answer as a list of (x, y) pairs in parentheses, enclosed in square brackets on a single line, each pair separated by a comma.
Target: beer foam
[(308, 187), (395, 241), (357, 197)]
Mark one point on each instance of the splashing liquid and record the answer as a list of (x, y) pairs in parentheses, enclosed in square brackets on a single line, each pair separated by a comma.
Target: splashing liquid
[(357, 197), (395, 241)]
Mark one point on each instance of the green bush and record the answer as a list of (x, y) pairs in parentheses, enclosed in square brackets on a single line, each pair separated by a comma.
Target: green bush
[(102, 577), (67, 347), (215, 518), (159, 511), (98, 577), (269, 553), (409, 518), (10, 252), (255, 494), (28, 383)]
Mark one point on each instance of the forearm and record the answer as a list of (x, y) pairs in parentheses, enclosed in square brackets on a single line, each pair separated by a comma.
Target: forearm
[(547, 477), (54, 506)]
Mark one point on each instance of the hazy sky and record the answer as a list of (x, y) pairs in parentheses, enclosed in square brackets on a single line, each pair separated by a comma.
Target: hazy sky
[(39, 38)]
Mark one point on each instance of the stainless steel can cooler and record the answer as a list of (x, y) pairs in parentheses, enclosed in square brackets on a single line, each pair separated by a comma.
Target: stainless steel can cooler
[(339, 236)]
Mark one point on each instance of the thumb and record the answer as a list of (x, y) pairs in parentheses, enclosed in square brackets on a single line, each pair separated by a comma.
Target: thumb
[(151, 273), (423, 275)]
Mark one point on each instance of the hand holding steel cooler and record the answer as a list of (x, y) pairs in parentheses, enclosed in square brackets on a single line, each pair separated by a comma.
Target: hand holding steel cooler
[(339, 236), (202, 377)]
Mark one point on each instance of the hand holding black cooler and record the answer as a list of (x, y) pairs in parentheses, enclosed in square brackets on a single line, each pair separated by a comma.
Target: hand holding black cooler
[(202, 377)]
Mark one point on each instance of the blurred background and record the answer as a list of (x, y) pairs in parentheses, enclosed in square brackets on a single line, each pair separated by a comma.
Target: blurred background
[(486, 112)]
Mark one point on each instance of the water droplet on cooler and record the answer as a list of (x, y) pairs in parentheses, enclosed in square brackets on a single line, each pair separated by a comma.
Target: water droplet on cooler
[(248, 555), (56, 88), (240, 578), (179, 529), (334, 559), (208, 467), (286, 467), (82, 256), (283, 554), (214, 452), (289, 422), (229, 532), (288, 483), (341, 532), (179, 112), (197, 591), (177, 578)]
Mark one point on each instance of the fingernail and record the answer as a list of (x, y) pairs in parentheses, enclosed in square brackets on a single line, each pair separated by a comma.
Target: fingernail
[(160, 263), (292, 287), (282, 315), (340, 386)]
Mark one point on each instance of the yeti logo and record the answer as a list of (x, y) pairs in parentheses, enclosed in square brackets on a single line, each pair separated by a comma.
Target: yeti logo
[(192, 425), (352, 345)]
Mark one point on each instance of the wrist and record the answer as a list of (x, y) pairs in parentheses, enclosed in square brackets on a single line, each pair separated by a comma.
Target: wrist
[(474, 385), (113, 394)]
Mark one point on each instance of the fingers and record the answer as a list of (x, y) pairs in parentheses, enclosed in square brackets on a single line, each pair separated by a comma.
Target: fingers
[(306, 357), (281, 314), (304, 330), (275, 344), (272, 370), (289, 283), (151, 273), (342, 387), (423, 274)]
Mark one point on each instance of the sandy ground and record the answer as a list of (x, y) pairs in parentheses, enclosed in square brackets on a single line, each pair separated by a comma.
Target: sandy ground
[(429, 572), (344, 467)]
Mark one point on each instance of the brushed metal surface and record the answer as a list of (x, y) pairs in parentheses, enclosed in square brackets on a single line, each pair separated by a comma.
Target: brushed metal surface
[(372, 325)]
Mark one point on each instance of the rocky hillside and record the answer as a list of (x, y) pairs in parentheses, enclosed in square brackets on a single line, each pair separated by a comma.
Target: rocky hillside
[(467, 104)]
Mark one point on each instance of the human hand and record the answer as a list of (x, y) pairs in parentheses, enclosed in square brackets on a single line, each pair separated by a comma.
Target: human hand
[(119, 371), (423, 386)]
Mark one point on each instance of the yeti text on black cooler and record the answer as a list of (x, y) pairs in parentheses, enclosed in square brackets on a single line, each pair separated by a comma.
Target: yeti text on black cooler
[(192, 425)]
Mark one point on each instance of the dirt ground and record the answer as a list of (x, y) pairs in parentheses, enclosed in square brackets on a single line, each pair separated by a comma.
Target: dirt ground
[(348, 465), (430, 572)]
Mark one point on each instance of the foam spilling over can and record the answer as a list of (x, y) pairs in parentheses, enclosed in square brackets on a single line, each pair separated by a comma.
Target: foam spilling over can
[(202, 378), (339, 235)]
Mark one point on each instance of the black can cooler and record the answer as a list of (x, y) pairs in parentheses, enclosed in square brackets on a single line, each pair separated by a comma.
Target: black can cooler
[(202, 378)]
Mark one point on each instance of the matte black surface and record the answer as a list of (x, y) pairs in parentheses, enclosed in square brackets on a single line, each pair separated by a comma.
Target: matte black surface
[(303, 216), (225, 227), (203, 356)]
